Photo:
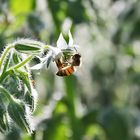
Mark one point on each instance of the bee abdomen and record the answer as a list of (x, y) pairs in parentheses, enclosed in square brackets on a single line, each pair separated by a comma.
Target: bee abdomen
[(65, 72), (61, 73)]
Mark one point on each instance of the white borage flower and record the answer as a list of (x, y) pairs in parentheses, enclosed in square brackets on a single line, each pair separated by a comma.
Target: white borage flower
[(64, 46), (57, 52)]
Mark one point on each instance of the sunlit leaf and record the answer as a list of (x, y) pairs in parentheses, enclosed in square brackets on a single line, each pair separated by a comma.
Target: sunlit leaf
[(16, 7)]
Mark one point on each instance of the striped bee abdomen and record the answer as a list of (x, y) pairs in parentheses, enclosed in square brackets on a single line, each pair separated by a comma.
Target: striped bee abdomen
[(66, 71)]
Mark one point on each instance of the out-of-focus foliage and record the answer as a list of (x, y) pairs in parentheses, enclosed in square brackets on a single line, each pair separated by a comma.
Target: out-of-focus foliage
[(102, 100)]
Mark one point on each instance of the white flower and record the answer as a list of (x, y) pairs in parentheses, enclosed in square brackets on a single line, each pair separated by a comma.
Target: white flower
[(62, 44), (57, 52)]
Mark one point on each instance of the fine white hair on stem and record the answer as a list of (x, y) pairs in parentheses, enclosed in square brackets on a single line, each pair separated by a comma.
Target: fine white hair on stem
[(29, 118), (35, 97), (30, 41)]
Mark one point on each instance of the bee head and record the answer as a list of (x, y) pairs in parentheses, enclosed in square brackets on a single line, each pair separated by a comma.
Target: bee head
[(76, 56)]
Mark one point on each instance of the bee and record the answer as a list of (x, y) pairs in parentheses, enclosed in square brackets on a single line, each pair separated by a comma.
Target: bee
[(76, 60), (67, 68)]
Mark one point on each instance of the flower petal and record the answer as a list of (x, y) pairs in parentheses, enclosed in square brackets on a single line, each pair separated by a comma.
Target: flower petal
[(61, 42), (37, 66), (55, 51), (70, 39)]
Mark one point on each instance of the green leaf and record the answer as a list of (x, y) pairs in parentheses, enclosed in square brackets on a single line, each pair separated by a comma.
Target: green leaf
[(20, 115), (31, 99), (25, 78), (4, 120), (13, 84)]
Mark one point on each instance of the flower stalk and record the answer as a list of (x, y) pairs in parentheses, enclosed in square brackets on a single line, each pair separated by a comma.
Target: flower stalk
[(22, 63), (6, 51)]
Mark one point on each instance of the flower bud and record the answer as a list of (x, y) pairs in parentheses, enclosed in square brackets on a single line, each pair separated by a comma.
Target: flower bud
[(20, 114), (28, 46)]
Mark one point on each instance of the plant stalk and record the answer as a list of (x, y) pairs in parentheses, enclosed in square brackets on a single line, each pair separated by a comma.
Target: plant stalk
[(4, 54), (22, 63)]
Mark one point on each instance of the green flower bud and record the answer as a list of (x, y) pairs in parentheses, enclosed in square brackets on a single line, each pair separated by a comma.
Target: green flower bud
[(28, 46), (20, 114)]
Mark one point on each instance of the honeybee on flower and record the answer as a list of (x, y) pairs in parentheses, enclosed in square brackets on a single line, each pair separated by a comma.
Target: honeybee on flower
[(65, 56)]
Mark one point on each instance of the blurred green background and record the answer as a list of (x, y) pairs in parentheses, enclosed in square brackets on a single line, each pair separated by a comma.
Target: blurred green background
[(101, 101)]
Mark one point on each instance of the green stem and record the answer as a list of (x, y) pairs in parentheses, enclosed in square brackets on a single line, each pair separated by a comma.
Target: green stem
[(3, 76), (4, 54), (15, 67), (33, 136), (76, 126), (22, 63)]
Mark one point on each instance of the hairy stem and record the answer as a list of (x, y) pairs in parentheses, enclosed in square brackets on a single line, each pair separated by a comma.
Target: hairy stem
[(4, 54), (3, 76), (22, 63)]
